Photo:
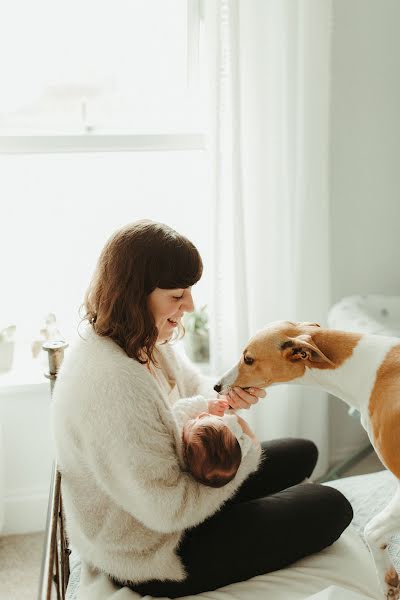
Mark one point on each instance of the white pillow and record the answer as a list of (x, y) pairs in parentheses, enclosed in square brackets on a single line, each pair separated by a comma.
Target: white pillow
[(347, 564)]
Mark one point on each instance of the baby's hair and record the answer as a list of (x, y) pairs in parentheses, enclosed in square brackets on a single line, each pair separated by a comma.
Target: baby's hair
[(213, 454)]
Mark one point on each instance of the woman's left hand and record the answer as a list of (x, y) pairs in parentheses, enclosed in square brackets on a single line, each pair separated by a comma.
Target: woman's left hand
[(239, 398)]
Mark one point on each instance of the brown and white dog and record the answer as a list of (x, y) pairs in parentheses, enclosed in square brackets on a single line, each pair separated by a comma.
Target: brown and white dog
[(364, 371)]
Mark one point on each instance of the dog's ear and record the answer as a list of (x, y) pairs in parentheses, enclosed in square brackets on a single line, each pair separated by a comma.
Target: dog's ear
[(303, 347), (308, 324)]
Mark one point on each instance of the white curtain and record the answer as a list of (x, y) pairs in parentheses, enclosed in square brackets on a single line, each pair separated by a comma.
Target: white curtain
[(269, 138)]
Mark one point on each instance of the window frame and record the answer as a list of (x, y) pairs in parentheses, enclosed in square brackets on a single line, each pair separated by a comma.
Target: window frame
[(49, 144)]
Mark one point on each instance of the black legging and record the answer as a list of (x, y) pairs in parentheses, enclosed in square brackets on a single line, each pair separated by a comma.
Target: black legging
[(270, 523)]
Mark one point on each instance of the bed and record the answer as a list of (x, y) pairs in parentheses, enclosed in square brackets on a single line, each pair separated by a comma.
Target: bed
[(344, 571)]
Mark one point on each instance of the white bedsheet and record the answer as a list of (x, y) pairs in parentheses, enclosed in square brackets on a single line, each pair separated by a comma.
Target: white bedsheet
[(333, 592), (344, 571)]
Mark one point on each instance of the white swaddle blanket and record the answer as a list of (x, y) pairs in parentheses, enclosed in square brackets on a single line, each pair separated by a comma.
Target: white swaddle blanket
[(230, 420)]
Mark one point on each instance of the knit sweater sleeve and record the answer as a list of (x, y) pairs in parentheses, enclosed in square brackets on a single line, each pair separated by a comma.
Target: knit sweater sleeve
[(133, 448), (188, 408)]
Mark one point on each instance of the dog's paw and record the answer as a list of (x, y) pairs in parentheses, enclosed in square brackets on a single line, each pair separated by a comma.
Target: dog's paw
[(392, 584)]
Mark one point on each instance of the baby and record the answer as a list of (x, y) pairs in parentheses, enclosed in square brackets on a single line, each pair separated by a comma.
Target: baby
[(214, 444)]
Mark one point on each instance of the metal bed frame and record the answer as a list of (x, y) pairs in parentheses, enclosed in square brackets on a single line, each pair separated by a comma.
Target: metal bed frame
[(55, 567)]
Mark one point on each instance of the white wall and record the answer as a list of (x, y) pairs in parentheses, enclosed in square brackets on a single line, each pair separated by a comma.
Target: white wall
[(365, 163), (27, 453)]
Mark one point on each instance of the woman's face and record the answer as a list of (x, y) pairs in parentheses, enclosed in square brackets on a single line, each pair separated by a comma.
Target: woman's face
[(167, 308)]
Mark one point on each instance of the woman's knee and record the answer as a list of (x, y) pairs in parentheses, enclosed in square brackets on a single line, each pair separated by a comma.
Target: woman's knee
[(338, 509), (322, 514), (308, 453), (318, 510), (297, 455)]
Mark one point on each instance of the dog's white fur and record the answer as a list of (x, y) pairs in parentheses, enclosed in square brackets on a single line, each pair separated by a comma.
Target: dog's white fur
[(362, 370)]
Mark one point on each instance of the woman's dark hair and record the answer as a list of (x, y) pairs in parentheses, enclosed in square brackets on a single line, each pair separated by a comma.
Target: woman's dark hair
[(137, 259)]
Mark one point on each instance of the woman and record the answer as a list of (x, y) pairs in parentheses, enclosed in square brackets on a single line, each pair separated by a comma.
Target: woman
[(132, 510)]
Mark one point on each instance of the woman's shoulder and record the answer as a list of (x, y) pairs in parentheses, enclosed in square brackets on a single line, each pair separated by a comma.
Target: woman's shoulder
[(90, 349), (96, 364)]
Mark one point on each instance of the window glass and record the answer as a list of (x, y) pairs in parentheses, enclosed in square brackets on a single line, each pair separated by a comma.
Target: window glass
[(87, 66)]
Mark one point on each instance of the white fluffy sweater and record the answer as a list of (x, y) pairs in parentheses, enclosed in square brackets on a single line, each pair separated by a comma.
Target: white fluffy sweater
[(126, 495)]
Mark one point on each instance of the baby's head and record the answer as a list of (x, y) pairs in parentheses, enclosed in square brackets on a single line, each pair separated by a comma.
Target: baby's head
[(212, 451)]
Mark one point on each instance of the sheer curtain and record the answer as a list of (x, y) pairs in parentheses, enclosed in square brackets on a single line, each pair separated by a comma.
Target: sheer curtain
[(269, 136)]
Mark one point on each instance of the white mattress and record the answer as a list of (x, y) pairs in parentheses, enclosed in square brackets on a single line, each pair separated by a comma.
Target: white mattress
[(369, 494), (345, 568)]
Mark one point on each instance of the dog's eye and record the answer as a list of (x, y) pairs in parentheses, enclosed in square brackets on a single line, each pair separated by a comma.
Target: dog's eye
[(248, 360)]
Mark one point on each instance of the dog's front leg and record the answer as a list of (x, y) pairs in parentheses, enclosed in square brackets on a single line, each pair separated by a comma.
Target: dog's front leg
[(377, 534)]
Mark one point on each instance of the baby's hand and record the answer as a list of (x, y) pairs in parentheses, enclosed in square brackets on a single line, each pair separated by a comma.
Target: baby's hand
[(217, 407)]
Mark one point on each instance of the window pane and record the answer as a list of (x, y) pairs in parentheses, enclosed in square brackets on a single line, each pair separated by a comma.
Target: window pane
[(70, 66), (58, 210)]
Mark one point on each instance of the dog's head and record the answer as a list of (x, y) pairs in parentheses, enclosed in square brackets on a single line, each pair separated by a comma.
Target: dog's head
[(279, 353)]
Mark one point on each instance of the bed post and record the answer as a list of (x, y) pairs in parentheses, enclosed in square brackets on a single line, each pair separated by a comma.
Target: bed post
[(55, 559)]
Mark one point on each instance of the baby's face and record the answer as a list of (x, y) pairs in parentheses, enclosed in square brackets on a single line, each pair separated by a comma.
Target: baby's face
[(203, 418)]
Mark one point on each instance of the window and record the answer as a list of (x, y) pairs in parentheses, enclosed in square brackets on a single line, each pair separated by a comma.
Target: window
[(101, 125), (100, 67)]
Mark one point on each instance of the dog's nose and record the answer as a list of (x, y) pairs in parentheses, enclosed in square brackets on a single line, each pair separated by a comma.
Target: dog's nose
[(218, 387)]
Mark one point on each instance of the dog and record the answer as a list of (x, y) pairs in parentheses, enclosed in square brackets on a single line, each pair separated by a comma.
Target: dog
[(361, 369)]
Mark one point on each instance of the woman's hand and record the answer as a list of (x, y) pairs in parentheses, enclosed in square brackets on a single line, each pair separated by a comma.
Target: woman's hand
[(218, 407), (239, 398)]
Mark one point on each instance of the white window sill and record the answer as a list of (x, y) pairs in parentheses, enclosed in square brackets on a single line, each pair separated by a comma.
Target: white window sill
[(26, 372), (17, 380), (31, 373), (22, 144)]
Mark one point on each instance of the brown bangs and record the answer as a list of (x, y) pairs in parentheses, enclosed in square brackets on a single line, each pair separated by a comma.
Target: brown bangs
[(174, 264)]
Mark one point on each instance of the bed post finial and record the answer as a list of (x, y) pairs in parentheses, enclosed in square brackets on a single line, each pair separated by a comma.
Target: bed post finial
[(55, 349)]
